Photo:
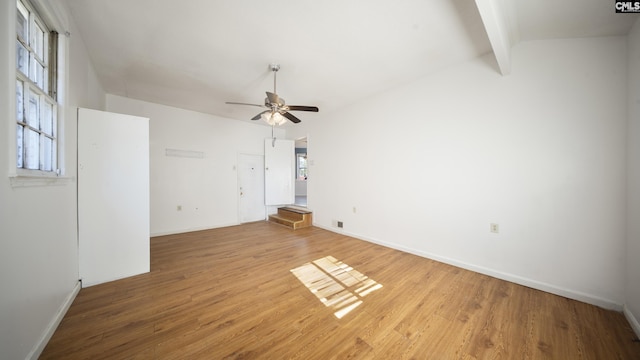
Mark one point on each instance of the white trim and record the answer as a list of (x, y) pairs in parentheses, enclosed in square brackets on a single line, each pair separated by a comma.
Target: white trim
[(53, 325), (29, 181), (635, 325), (568, 293)]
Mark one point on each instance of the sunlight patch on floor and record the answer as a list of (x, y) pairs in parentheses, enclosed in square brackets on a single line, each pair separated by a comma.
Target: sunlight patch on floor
[(336, 284)]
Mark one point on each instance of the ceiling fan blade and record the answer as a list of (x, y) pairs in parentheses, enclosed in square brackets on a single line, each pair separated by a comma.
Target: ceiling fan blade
[(257, 117), (291, 117), (273, 98), (303, 108), (239, 103)]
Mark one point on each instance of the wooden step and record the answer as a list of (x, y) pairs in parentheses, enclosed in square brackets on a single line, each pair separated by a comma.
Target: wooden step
[(293, 218)]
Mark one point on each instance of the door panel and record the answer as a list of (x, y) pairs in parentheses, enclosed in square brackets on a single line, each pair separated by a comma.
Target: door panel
[(251, 187), (113, 196), (279, 158)]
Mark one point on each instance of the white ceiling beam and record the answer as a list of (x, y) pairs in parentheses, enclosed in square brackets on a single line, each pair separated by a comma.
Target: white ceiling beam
[(498, 29)]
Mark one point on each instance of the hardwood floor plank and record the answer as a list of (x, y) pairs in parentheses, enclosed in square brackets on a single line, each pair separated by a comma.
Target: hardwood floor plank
[(229, 293)]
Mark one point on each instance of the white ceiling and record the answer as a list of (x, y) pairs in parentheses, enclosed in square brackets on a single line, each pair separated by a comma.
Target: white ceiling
[(197, 54)]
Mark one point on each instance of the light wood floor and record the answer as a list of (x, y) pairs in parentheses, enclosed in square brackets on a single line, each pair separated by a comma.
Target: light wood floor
[(229, 294)]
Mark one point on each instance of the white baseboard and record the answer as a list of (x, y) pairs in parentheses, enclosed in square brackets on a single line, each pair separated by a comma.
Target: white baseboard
[(568, 293), (53, 325), (635, 325)]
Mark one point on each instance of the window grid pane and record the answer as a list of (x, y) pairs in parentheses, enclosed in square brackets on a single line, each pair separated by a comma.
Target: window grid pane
[(33, 118), (46, 119), (37, 72), (19, 101), (22, 22), (39, 79), (45, 153), (37, 41), (22, 58), (54, 152), (19, 147), (32, 150)]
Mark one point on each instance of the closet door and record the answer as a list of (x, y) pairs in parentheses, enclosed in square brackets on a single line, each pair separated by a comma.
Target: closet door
[(113, 196), (279, 172)]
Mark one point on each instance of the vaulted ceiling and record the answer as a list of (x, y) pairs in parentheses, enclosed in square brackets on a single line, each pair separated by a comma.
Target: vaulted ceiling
[(197, 54)]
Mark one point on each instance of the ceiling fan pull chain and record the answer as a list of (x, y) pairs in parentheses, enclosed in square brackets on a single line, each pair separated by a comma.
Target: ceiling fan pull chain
[(273, 138)]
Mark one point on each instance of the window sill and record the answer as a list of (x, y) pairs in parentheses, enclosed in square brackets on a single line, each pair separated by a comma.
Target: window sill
[(38, 180)]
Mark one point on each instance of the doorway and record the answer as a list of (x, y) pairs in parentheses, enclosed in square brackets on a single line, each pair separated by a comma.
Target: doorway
[(302, 172), (251, 188)]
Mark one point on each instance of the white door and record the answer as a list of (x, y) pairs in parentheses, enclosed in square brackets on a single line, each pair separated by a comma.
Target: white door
[(113, 196), (279, 174), (251, 188)]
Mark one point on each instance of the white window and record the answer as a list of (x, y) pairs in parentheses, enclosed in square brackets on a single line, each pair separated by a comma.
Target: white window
[(301, 162), (36, 107)]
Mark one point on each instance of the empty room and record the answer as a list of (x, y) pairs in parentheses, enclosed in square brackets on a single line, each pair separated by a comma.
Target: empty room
[(445, 179)]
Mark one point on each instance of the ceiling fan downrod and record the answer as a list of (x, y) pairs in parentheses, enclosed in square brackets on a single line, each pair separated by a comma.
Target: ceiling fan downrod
[(274, 68)]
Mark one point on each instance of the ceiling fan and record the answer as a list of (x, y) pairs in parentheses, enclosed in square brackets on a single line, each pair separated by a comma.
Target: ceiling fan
[(277, 111)]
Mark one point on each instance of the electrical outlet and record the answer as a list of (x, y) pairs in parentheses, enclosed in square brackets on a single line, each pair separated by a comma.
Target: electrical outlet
[(494, 228)]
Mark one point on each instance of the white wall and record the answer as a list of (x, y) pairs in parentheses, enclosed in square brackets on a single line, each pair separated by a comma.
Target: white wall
[(206, 188), (633, 182), (38, 258), (428, 166)]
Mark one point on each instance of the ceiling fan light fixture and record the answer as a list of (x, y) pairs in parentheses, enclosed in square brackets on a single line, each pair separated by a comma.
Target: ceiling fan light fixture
[(277, 112), (273, 118)]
